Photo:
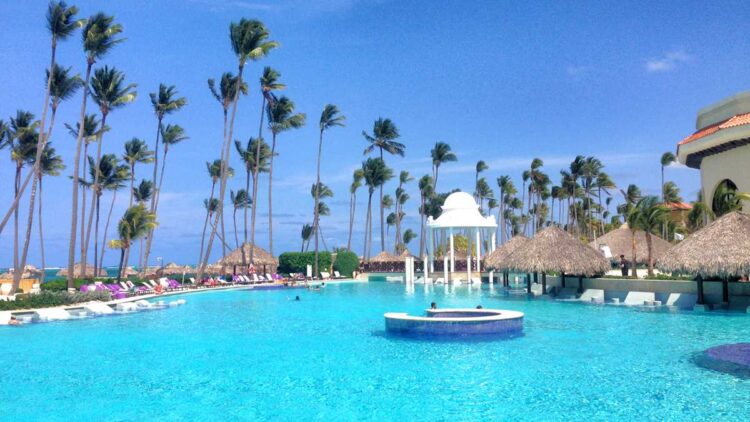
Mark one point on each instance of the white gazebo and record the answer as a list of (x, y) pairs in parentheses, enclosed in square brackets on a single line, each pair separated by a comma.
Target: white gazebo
[(461, 216)]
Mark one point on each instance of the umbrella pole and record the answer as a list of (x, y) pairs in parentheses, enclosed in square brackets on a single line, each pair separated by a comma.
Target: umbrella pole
[(544, 283), (528, 283), (699, 281), (580, 284), (562, 280), (725, 290)]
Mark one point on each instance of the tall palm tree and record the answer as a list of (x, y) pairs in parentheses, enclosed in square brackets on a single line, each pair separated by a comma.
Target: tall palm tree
[(240, 200), (281, 118), (51, 165), (480, 167), (425, 185), (248, 154), (650, 215), (355, 185), (603, 184), (376, 173), (214, 172), (99, 37), (503, 182), (322, 191), (666, 159), (329, 118), (628, 210), (384, 135), (483, 191), (112, 182), (306, 234), (109, 92), (101, 174), (62, 86), (165, 101), (269, 82), (136, 151), (135, 224), (23, 140), (386, 204), (401, 197), (440, 153), (671, 193), (249, 41)]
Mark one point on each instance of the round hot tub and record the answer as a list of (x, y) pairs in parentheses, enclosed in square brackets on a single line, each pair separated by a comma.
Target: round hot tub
[(456, 322)]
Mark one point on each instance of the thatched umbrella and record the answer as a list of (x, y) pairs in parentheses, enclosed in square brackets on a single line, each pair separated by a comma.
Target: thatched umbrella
[(384, 257), (720, 249), (261, 258), (555, 250), (89, 272), (174, 268), (497, 258), (406, 254), (620, 242)]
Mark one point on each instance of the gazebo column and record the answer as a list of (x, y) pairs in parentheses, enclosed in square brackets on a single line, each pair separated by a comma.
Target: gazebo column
[(452, 255), (580, 284), (699, 281), (725, 290), (528, 283), (430, 251), (562, 280), (544, 283), (479, 253)]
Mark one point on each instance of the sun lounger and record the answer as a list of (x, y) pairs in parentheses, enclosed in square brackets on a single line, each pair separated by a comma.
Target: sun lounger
[(567, 293), (681, 300), (336, 274), (638, 298), (440, 280), (5, 289), (325, 276)]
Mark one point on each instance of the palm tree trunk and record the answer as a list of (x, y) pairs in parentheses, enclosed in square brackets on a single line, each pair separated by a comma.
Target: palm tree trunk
[(120, 268), (17, 187), (632, 242), (368, 227), (421, 226), (83, 196), (14, 204), (244, 212), (236, 239), (106, 228), (41, 234), (205, 223), (152, 206), (96, 191), (270, 195), (649, 245), (317, 199), (256, 172), (352, 204), (97, 264), (155, 201)]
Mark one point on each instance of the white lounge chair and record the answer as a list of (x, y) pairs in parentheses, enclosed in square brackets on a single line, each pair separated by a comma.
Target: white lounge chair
[(592, 295), (35, 288), (336, 274), (268, 277), (324, 275), (440, 280), (638, 298), (5, 289)]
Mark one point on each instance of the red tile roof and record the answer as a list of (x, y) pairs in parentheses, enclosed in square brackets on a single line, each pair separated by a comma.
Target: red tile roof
[(678, 206), (738, 120)]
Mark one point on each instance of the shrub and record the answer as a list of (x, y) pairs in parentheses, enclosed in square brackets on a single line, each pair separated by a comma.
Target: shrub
[(51, 298), (61, 284), (346, 262), (296, 262)]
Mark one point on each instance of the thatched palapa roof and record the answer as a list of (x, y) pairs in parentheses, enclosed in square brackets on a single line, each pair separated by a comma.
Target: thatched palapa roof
[(497, 258), (406, 254), (620, 242), (553, 250), (385, 257), (174, 268), (260, 257), (77, 271), (720, 249)]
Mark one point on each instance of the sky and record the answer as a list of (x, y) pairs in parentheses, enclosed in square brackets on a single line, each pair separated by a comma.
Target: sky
[(499, 81)]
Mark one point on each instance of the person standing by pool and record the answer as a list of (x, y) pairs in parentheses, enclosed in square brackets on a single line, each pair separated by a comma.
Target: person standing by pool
[(624, 265)]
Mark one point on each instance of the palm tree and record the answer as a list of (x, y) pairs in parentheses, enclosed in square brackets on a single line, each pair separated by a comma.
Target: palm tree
[(240, 200), (135, 224), (425, 185), (322, 191), (269, 82), (281, 118), (307, 230), (699, 214), (165, 101), (726, 199), (671, 193), (249, 41), (23, 139), (356, 184), (62, 86), (143, 192), (51, 165), (650, 216), (604, 183), (483, 190), (480, 167), (503, 182), (101, 174), (440, 153), (376, 173), (666, 159), (329, 118), (111, 182), (384, 135), (401, 197), (214, 172), (628, 210), (136, 151), (576, 168), (248, 154), (99, 36), (109, 92), (386, 204)]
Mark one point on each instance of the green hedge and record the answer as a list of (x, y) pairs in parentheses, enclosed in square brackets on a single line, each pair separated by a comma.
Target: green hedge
[(296, 262), (50, 298), (61, 284), (346, 262)]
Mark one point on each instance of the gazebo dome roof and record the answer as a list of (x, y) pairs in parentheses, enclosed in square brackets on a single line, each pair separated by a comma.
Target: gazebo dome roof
[(460, 210)]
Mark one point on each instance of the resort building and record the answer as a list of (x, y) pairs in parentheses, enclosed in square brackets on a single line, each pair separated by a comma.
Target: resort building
[(720, 147)]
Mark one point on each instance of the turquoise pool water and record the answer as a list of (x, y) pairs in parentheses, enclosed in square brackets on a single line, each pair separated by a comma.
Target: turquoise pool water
[(255, 355)]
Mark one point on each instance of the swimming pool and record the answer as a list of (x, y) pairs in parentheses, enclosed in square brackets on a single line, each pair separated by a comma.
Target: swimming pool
[(251, 355)]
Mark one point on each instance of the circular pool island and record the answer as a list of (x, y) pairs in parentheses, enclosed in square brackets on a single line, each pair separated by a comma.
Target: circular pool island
[(732, 359), (456, 322)]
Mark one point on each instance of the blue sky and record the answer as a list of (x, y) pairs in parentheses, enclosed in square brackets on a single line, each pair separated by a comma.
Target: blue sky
[(500, 81)]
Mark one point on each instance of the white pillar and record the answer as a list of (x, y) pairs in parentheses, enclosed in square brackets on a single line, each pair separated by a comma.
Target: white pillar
[(453, 257), (494, 242), (430, 251), (445, 269), (468, 267), (425, 270), (492, 276), (479, 253)]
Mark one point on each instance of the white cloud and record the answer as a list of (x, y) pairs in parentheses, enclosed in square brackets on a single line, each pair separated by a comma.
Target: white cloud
[(668, 62)]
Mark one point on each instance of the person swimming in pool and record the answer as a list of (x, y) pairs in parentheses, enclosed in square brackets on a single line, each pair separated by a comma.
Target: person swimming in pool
[(297, 299), (14, 321), (433, 305)]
